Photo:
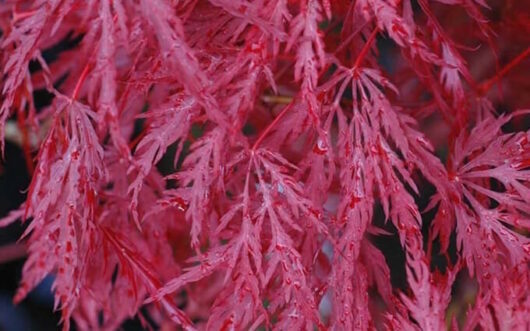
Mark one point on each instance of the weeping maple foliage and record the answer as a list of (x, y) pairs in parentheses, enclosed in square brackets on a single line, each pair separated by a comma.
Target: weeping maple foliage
[(236, 164)]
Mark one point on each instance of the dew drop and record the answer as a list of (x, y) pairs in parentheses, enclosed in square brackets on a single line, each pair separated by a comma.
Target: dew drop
[(320, 147), (75, 154), (179, 203), (526, 248), (469, 229), (423, 142), (522, 164)]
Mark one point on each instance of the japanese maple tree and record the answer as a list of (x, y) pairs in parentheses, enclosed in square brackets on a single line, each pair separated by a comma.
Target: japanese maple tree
[(236, 164)]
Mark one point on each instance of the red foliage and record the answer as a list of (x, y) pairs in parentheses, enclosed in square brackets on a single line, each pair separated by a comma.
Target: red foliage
[(300, 134)]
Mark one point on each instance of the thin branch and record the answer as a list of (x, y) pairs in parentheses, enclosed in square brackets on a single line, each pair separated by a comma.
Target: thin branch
[(486, 85), (12, 252)]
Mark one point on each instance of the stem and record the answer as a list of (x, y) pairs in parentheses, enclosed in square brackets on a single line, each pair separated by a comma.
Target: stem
[(365, 49), (277, 99), (486, 86), (11, 252), (136, 140), (271, 125), (17, 16), (26, 146), (346, 41), (80, 81), (358, 61)]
